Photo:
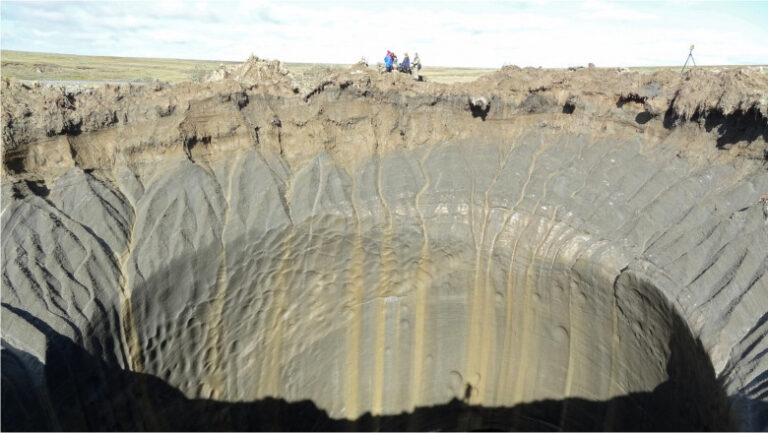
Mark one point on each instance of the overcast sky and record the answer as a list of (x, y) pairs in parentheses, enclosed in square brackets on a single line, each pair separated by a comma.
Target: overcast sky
[(467, 33)]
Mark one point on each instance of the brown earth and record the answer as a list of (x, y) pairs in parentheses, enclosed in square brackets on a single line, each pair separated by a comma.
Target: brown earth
[(355, 112)]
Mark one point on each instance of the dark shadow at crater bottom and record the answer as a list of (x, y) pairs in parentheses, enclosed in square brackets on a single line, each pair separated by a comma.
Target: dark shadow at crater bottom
[(76, 391)]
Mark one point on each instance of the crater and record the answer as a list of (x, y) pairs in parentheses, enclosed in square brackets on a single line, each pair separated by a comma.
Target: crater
[(358, 256)]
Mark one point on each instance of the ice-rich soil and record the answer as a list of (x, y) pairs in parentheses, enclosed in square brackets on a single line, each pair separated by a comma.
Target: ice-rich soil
[(538, 249)]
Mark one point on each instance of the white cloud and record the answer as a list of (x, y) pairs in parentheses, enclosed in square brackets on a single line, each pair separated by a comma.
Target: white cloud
[(611, 11), (486, 34)]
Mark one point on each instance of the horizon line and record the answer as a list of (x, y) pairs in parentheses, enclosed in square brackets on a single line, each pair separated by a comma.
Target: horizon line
[(369, 63)]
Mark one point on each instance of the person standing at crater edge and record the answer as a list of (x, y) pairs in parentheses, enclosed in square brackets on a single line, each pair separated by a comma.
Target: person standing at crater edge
[(388, 61), (416, 66), (405, 66)]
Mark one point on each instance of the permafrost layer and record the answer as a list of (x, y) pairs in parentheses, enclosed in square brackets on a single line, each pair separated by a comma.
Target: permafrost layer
[(536, 250)]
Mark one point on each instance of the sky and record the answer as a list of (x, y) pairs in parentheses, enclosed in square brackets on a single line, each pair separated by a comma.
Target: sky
[(468, 33)]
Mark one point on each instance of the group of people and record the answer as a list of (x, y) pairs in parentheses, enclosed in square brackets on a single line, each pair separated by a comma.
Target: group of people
[(390, 62)]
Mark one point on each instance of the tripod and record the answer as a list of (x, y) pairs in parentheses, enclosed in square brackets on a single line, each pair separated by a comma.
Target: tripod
[(690, 57)]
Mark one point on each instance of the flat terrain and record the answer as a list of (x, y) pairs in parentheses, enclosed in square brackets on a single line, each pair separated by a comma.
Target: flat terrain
[(68, 67), (55, 67)]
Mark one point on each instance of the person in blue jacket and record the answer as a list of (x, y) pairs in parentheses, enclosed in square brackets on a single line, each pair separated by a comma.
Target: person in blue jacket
[(405, 66), (388, 61)]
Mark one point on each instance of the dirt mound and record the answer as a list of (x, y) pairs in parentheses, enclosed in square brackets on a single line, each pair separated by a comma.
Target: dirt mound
[(367, 80), (696, 91), (35, 111), (726, 90), (272, 76), (257, 72)]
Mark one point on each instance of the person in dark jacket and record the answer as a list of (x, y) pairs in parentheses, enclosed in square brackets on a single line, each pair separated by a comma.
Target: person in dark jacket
[(405, 66)]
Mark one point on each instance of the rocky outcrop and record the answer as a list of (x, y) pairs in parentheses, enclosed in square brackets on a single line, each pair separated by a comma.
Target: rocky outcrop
[(579, 249)]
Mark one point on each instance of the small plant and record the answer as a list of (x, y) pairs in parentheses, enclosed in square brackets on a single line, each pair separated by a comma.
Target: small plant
[(198, 74)]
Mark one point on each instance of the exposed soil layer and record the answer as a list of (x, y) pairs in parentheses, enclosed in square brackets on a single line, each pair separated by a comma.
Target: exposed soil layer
[(537, 249)]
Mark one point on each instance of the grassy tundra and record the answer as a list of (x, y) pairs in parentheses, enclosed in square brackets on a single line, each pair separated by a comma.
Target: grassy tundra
[(67, 67), (59, 67)]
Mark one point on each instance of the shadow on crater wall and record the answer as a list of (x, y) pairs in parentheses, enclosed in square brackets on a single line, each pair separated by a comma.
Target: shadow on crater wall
[(77, 391)]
